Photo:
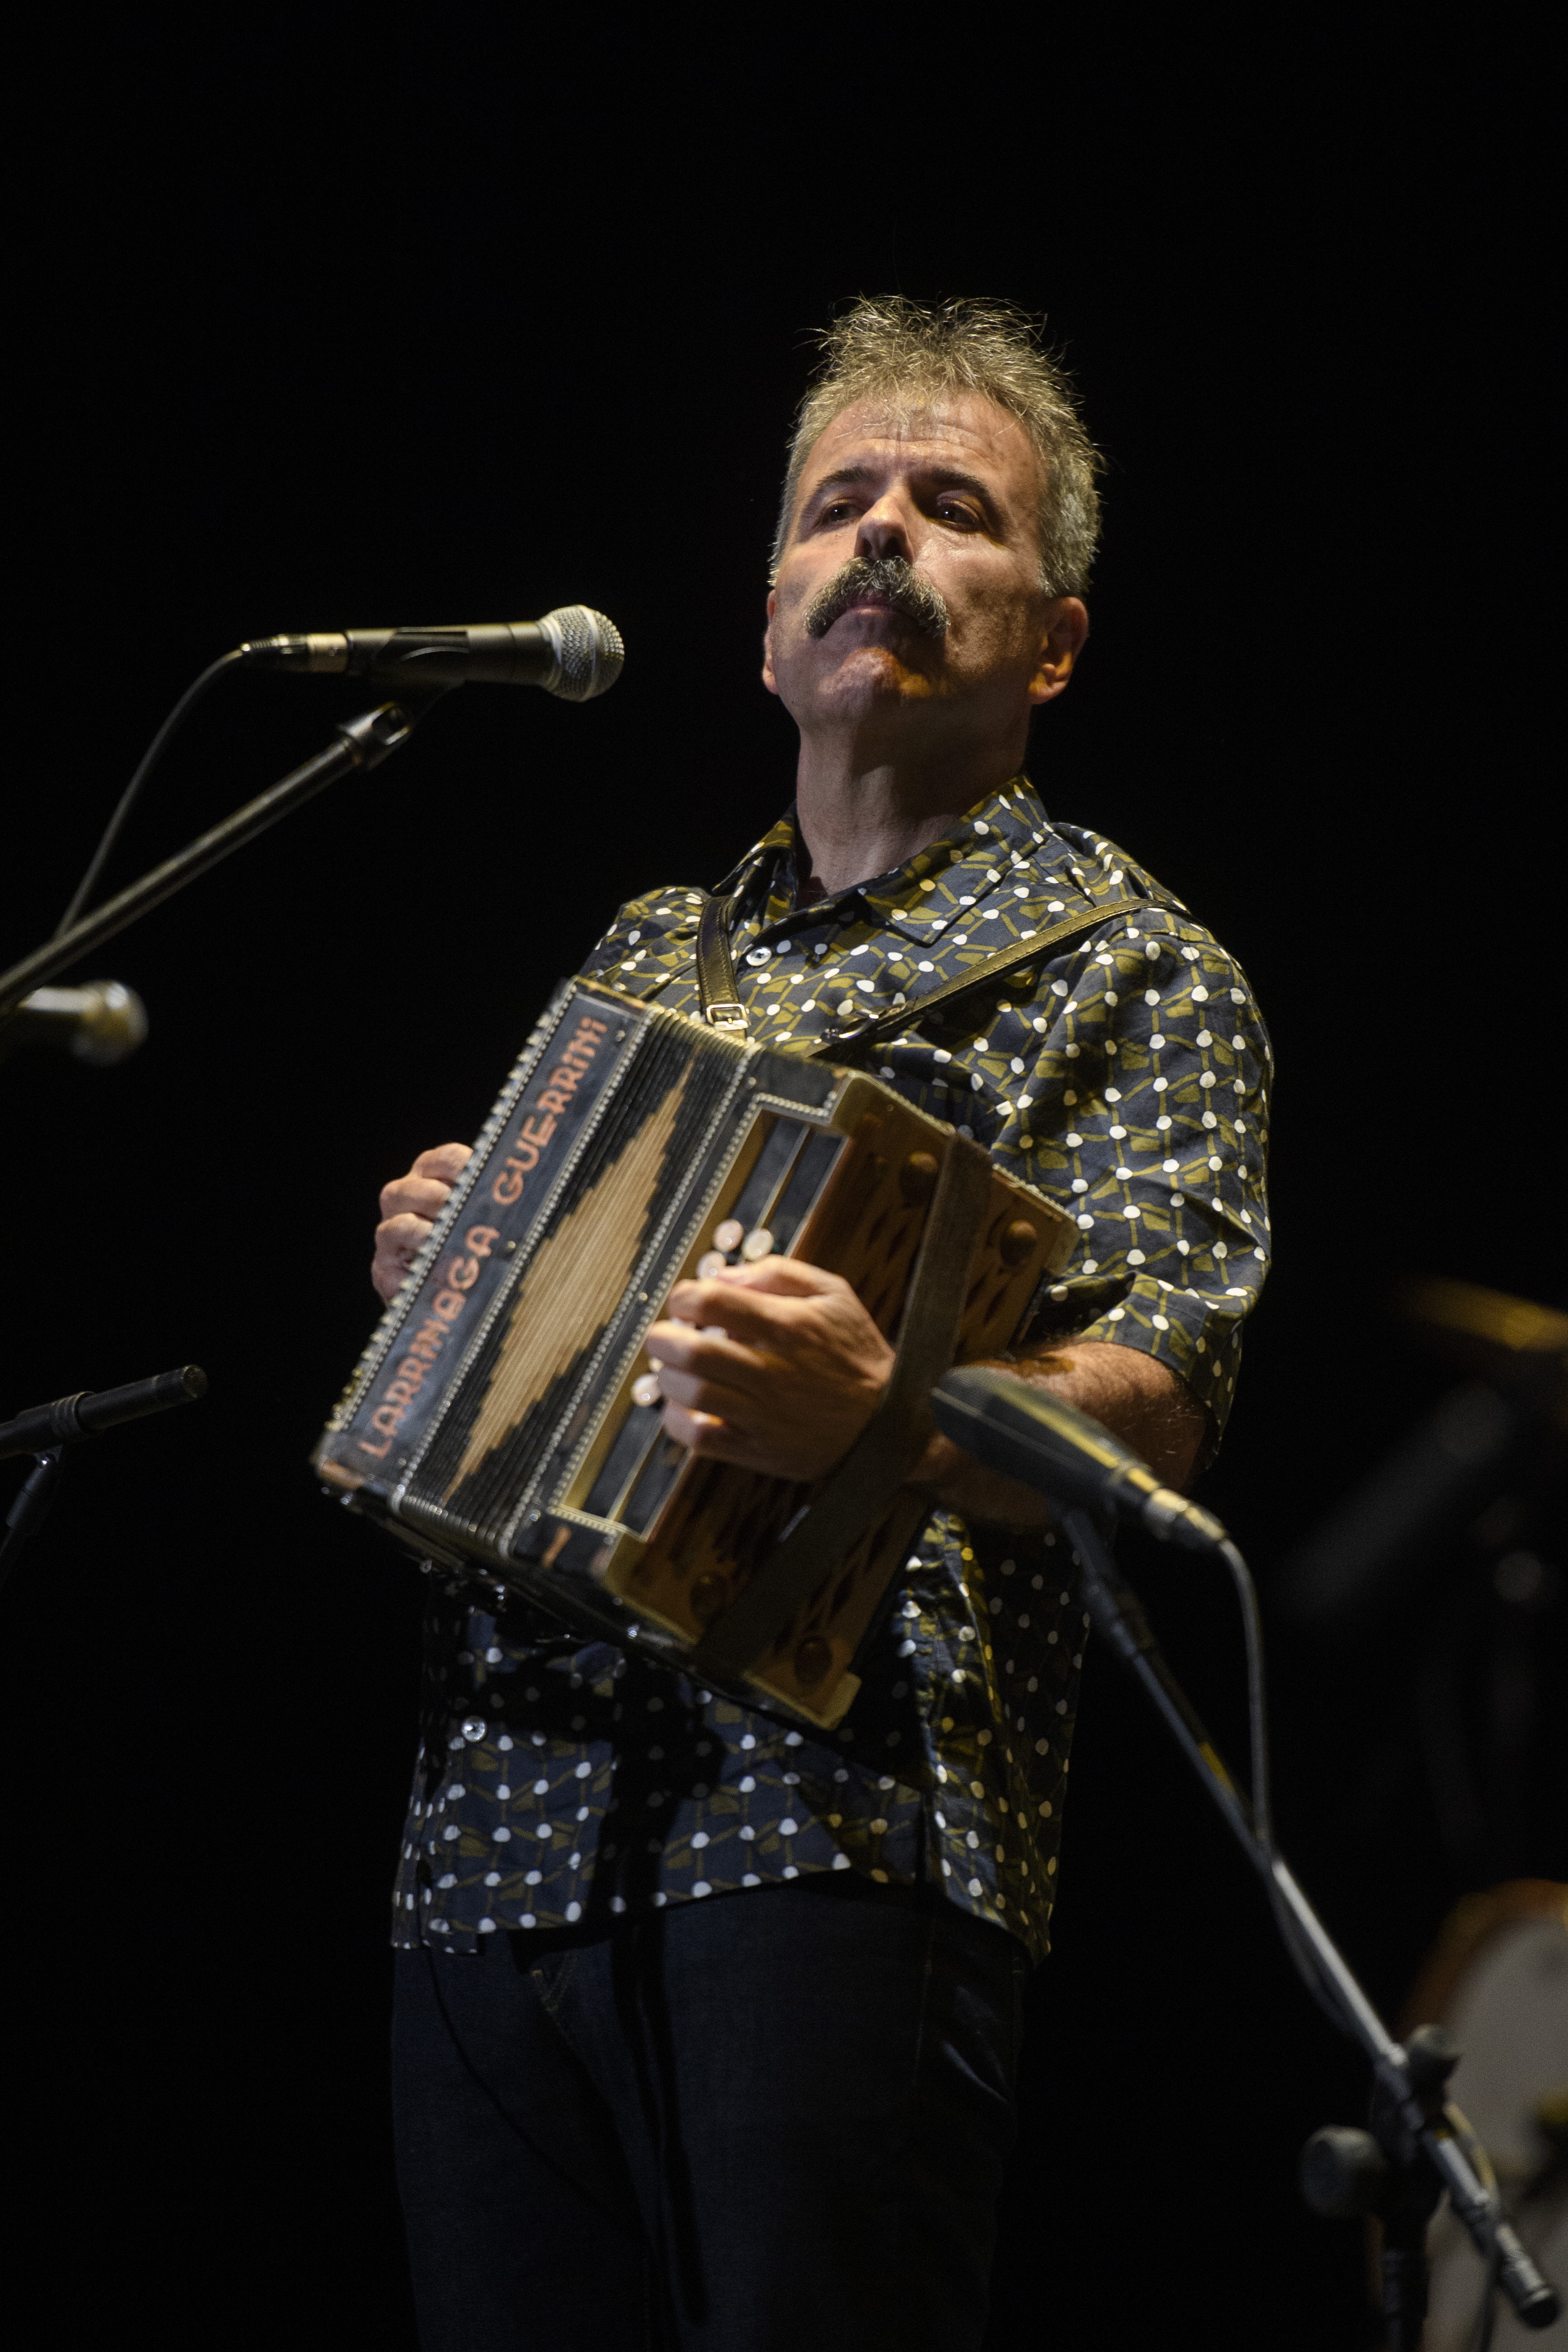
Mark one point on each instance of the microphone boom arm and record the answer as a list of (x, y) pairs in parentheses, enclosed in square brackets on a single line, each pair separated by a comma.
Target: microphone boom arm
[(360, 744)]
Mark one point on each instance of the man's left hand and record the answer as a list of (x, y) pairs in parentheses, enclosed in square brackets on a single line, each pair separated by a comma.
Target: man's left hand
[(777, 1367)]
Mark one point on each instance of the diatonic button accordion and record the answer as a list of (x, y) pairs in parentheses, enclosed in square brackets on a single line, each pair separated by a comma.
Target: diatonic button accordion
[(501, 1418)]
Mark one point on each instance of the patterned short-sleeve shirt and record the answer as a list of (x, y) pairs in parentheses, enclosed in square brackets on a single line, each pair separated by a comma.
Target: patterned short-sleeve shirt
[(1126, 1077)]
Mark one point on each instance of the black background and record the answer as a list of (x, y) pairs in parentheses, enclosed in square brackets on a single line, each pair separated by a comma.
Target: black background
[(325, 319)]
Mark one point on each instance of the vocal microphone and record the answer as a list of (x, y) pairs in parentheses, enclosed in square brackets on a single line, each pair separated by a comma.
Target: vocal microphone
[(100, 1022), (573, 651), (1029, 1434)]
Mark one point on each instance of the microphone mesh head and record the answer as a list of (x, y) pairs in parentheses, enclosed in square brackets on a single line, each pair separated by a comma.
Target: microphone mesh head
[(588, 651)]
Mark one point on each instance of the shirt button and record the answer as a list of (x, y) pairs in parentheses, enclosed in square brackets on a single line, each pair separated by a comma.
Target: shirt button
[(474, 1726)]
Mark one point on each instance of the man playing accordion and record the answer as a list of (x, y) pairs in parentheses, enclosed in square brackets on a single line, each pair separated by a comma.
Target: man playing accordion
[(707, 2030)]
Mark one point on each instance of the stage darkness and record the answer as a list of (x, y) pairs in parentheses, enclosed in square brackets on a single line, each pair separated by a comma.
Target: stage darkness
[(418, 326)]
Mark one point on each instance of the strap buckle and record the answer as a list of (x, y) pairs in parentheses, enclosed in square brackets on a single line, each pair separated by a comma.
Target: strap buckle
[(729, 1014)]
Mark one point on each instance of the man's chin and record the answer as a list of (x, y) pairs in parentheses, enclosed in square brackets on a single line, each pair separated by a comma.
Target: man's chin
[(873, 676)]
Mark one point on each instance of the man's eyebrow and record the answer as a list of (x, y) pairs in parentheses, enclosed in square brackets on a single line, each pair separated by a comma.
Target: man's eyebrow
[(953, 478), (842, 477), (943, 478)]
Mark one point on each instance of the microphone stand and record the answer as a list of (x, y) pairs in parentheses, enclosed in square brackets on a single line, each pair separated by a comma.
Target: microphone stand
[(46, 1431), (1418, 2146), (359, 743)]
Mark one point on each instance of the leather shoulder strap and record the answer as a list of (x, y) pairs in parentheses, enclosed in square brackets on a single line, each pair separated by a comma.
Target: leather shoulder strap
[(717, 992), (991, 967)]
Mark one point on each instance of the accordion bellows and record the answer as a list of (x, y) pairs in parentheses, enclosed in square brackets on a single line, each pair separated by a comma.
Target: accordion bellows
[(492, 1423)]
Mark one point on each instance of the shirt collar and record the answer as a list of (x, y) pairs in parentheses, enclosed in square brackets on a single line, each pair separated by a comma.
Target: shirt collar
[(764, 882), (984, 854)]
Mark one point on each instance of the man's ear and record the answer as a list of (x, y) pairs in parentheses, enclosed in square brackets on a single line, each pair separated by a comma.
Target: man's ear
[(1066, 626), (769, 680)]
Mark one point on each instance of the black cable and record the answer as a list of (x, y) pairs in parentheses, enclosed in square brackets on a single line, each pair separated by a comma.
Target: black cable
[(1257, 1694), (1300, 1957), (128, 798)]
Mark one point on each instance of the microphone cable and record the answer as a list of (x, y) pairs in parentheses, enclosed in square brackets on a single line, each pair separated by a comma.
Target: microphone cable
[(1257, 1693), (144, 767), (1262, 1790), (1260, 1795)]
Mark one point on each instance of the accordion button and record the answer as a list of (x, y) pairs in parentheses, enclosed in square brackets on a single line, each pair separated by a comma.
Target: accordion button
[(759, 1243), (917, 1178), (711, 1263), (645, 1389), (1018, 1243), (729, 1235), (812, 1659)]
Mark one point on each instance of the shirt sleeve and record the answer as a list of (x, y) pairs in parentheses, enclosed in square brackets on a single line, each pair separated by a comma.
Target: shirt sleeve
[(1142, 1105), (651, 937)]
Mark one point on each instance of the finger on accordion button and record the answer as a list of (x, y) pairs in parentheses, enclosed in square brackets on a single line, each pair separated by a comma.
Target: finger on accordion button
[(646, 1389), (759, 1243), (729, 1235), (711, 1263)]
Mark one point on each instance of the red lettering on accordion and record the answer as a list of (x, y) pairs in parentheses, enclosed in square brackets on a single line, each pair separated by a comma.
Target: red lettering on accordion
[(423, 1349), (538, 1125), (462, 1271)]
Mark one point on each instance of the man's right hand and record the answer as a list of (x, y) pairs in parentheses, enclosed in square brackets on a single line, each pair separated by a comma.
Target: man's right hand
[(409, 1207)]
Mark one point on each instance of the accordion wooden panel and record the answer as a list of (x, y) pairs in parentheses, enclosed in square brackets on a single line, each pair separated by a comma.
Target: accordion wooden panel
[(492, 1421)]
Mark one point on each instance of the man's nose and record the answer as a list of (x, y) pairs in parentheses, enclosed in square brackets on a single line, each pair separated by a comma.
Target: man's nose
[(885, 530)]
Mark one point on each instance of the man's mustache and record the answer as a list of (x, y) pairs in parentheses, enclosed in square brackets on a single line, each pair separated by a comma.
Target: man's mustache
[(888, 576)]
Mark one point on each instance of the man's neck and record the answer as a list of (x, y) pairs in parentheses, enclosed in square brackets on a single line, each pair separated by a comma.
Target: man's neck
[(856, 821)]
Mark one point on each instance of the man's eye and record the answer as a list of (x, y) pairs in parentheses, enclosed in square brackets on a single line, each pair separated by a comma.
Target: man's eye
[(952, 510), (835, 511)]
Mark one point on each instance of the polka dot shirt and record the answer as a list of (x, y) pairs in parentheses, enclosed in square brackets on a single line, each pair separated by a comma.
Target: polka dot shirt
[(1128, 1078)]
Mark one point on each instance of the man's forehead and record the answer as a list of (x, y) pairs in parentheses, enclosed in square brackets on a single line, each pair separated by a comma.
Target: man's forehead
[(961, 428)]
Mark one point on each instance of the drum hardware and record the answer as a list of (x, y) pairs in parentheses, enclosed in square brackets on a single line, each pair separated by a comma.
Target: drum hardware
[(1497, 1982)]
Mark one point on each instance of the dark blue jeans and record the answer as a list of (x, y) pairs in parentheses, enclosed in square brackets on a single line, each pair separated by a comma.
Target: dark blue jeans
[(774, 2121)]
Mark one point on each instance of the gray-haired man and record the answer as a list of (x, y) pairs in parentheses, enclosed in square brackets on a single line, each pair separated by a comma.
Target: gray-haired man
[(707, 2030)]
